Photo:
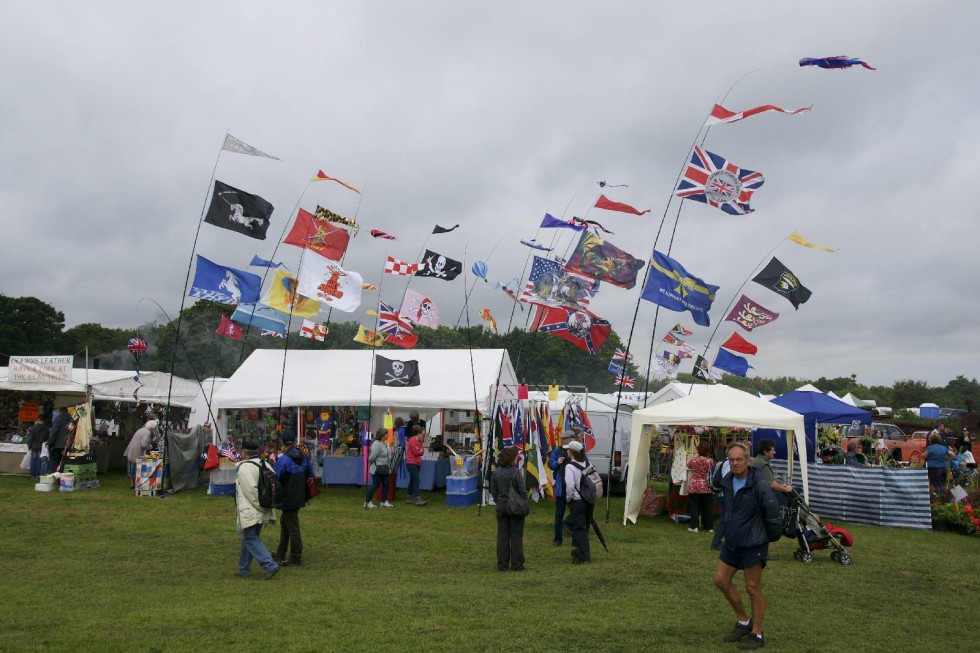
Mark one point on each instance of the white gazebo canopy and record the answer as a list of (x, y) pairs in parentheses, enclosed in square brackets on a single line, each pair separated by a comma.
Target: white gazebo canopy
[(713, 405)]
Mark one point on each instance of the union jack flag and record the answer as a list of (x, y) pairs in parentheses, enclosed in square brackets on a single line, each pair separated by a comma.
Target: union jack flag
[(620, 355), (394, 266), (387, 318), (626, 381), (714, 180)]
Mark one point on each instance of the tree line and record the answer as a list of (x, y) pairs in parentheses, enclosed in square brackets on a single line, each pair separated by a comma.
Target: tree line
[(31, 327)]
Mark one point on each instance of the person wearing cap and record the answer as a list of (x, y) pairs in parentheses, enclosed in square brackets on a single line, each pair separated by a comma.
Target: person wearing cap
[(556, 462), (141, 444), (581, 510), (252, 516), (292, 469)]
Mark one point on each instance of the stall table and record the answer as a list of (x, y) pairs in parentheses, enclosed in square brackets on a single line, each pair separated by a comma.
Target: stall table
[(349, 470), (10, 456)]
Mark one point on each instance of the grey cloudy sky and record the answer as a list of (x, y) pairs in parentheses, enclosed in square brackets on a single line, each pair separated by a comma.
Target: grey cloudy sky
[(491, 114)]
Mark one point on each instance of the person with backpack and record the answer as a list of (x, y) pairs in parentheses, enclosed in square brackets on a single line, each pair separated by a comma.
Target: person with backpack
[(292, 469), (753, 519), (580, 509), (252, 515), (510, 528)]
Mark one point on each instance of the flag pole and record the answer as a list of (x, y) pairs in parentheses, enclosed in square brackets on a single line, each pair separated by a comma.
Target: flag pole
[(183, 297), (646, 274)]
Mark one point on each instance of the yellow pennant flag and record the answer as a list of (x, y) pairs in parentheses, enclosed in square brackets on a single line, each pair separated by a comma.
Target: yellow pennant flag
[(552, 393), (800, 240), (282, 291), (368, 337)]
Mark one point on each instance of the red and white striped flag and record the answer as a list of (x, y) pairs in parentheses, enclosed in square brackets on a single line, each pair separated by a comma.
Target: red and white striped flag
[(394, 266), (721, 115)]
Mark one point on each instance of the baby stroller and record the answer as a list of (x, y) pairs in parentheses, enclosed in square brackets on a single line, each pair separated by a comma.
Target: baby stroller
[(813, 535)]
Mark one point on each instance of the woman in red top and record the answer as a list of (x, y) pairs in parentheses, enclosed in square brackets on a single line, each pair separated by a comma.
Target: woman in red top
[(699, 495), (413, 459)]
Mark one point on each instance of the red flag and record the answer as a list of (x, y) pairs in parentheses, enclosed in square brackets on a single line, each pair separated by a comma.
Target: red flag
[(605, 203), (377, 233), (229, 329), (402, 339), (740, 344), (720, 114), (325, 238), (579, 327), (320, 176)]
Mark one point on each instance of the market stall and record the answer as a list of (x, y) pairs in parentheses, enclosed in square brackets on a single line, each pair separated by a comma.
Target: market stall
[(715, 406), (816, 408), (331, 398)]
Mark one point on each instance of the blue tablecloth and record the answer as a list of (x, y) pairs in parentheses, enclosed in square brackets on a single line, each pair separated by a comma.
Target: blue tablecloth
[(432, 474), (349, 470), (342, 470)]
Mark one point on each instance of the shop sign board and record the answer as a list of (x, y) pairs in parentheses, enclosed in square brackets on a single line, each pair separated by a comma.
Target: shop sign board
[(33, 369), (28, 412)]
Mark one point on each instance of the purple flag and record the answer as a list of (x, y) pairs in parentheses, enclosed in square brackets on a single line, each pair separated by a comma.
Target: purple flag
[(749, 315)]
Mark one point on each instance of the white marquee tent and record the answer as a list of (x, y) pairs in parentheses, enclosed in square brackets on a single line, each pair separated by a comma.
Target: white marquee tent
[(343, 377), (110, 385), (715, 405)]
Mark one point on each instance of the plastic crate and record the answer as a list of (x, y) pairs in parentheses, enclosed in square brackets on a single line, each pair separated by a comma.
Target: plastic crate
[(461, 499), (224, 476), (45, 487), (461, 484), (221, 489), (87, 470)]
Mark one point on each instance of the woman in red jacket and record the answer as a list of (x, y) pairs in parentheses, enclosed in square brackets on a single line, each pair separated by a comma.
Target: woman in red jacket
[(413, 459), (699, 495)]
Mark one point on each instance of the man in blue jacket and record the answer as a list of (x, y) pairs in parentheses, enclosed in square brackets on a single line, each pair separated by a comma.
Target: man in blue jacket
[(753, 518), (556, 462), (292, 468)]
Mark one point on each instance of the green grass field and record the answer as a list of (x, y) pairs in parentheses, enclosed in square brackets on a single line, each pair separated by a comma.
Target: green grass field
[(102, 570)]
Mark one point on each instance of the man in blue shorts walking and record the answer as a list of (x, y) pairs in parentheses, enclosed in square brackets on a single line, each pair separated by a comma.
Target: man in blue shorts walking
[(752, 519)]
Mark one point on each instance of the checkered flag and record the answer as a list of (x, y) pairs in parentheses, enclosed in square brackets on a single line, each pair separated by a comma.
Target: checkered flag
[(394, 266)]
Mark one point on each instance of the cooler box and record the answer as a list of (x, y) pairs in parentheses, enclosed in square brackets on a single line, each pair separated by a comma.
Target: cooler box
[(461, 484), (462, 499), (221, 489)]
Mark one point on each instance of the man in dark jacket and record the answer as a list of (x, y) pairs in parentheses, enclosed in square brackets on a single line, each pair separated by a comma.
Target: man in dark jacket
[(36, 438), (58, 439), (292, 468), (752, 519), (556, 462)]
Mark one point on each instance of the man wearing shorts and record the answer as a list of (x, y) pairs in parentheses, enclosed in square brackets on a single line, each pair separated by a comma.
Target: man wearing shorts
[(752, 517)]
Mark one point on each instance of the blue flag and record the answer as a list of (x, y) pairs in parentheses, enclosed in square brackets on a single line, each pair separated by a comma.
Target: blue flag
[(262, 263), (551, 222), (217, 283), (674, 288), (731, 363), (616, 367), (262, 317)]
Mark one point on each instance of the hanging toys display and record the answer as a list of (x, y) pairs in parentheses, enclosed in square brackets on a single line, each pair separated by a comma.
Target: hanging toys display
[(137, 347)]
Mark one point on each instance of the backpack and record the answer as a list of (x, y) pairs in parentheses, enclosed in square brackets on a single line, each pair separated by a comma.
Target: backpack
[(270, 489), (590, 485)]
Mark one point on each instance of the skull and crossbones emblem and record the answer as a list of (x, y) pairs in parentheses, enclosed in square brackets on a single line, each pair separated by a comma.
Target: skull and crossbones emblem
[(438, 268), (399, 376)]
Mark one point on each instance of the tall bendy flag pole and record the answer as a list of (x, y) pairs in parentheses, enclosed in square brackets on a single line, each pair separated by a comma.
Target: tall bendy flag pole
[(646, 272), (230, 144)]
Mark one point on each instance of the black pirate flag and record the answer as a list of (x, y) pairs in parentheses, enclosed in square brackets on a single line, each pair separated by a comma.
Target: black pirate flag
[(779, 279), (438, 266), (239, 211), (396, 374)]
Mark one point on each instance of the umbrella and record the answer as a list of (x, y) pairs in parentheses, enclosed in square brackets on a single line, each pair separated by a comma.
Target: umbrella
[(598, 534)]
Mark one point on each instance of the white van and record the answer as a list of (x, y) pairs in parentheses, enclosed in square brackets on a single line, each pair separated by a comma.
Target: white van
[(602, 426)]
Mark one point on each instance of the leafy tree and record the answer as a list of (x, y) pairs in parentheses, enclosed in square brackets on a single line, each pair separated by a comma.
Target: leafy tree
[(98, 339), (909, 394), (29, 327), (960, 393)]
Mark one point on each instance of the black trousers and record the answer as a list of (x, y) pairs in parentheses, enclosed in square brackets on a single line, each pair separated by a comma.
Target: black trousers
[(379, 481), (581, 523), (290, 540), (510, 542), (700, 506)]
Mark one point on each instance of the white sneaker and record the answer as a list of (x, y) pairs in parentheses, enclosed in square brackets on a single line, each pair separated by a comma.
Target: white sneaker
[(369, 504), (385, 504), (692, 530)]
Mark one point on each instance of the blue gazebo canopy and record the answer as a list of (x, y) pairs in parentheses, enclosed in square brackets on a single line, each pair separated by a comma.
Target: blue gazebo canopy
[(816, 408)]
